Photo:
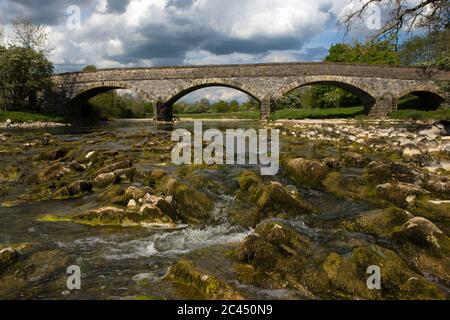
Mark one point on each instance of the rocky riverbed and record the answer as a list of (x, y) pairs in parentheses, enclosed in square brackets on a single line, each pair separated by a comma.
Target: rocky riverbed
[(349, 195)]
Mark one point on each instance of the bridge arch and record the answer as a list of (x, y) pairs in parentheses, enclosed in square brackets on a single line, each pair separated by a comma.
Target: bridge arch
[(180, 92), (429, 95), (86, 92), (362, 91)]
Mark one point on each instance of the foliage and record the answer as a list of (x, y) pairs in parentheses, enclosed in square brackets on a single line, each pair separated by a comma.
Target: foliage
[(369, 53), (221, 106), (23, 72), (89, 68), (251, 115), (432, 48), (111, 105)]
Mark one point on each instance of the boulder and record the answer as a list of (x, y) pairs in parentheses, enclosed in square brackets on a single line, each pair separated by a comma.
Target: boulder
[(422, 233), (355, 160), (105, 179), (75, 189), (149, 216), (209, 286), (400, 193), (269, 200), (115, 166), (378, 222), (347, 276), (380, 171), (307, 173), (271, 243), (192, 206)]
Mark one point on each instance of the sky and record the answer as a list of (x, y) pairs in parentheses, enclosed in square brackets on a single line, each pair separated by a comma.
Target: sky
[(144, 33)]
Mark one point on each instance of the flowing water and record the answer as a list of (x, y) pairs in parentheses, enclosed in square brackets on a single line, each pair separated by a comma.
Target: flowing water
[(128, 262)]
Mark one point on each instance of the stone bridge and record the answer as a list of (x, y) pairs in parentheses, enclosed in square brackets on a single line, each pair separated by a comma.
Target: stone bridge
[(378, 87)]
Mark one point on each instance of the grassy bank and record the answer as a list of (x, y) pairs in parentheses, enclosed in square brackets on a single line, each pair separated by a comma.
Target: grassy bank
[(440, 114), (18, 116), (282, 114), (253, 115), (298, 114)]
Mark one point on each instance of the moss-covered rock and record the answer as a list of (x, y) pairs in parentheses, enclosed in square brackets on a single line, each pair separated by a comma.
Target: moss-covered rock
[(8, 257), (272, 243), (75, 189), (401, 194), (10, 173), (56, 171), (51, 155), (125, 164), (269, 200), (154, 177), (192, 206), (423, 233), (356, 160), (187, 273), (307, 173), (426, 246), (381, 171), (378, 222), (105, 179), (147, 216)]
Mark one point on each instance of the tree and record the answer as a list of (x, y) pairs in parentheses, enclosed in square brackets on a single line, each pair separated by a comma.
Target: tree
[(427, 48), (23, 72), (382, 52), (30, 36), (90, 68), (404, 15)]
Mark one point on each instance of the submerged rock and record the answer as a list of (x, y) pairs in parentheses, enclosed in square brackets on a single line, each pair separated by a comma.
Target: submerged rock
[(187, 273)]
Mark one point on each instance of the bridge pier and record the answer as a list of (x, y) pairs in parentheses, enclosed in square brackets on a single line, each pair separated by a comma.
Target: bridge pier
[(162, 110), (383, 106), (267, 105)]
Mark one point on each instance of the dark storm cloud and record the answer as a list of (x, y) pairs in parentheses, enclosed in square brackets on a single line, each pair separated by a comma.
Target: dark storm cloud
[(180, 4), (117, 6), (225, 45), (48, 12)]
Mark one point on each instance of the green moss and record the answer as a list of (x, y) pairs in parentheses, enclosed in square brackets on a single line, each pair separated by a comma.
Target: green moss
[(193, 206), (261, 201), (186, 273), (10, 173), (306, 173), (378, 222)]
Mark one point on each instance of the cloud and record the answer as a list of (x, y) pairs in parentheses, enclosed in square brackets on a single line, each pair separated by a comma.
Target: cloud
[(117, 33)]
